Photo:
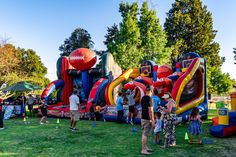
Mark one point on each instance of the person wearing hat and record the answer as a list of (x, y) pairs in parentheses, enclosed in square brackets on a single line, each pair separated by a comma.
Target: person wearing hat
[(147, 120), (130, 96), (169, 117)]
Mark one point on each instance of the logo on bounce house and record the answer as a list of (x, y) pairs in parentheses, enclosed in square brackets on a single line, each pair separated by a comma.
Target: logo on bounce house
[(76, 57)]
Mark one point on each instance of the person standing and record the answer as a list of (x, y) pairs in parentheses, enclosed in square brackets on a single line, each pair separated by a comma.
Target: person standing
[(74, 103), (156, 101), (195, 125), (43, 107), (119, 107), (169, 117), (131, 103), (147, 120), (1, 116), (30, 102)]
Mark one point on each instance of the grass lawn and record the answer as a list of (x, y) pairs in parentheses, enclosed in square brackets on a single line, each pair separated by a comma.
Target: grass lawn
[(106, 139)]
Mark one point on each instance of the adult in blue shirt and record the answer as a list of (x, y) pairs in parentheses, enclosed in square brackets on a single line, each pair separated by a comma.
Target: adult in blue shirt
[(119, 107), (156, 101)]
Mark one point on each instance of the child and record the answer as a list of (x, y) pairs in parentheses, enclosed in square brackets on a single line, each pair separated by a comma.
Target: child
[(92, 115), (119, 107), (157, 129), (97, 112), (43, 107), (195, 125)]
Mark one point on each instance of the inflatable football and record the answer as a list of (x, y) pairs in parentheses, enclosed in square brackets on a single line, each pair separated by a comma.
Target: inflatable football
[(82, 59)]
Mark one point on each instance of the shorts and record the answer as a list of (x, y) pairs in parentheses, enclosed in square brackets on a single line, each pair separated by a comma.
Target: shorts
[(146, 126), (131, 109), (74, 115), (44, 112), (156, 133), (30, 107)]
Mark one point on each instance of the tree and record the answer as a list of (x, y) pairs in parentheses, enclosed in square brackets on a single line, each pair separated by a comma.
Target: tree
[(79, 38), (18, 64), (152, 36), (9, 59), (189, 27), (220, 82), (32, 67), (234, 51), (136, 39)]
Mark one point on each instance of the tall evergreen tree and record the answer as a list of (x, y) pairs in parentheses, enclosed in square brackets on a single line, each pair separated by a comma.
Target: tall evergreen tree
[(189, 27), (79, 38), (136, 39), (152, 36), (124, 43)]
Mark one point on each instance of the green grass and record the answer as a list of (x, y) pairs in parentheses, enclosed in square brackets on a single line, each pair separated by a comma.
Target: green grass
[(106, 139)]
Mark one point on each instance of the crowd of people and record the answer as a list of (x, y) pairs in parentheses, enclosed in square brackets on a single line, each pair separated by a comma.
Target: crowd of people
[(155, 117)]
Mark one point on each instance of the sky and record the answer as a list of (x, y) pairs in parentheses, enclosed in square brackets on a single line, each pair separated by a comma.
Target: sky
[(43, 25)]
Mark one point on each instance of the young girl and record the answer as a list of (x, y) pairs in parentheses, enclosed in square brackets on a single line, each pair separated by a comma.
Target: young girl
[(195, 125), (43, 107), (157, 129)]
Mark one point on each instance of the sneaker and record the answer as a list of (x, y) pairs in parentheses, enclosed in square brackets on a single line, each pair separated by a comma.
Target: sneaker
[(2, 128), (41, 123), (131, 122), (74, 129), (47, 122), (71, 128)]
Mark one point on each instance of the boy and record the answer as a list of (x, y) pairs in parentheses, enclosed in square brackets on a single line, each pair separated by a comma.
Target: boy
[(157, 129)]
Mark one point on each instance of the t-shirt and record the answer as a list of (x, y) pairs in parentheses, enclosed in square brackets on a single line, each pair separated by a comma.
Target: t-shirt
[(74, 102), (156, 102), (119, 103), (130, 98), (31, 100), (157, 125), (145, 102)]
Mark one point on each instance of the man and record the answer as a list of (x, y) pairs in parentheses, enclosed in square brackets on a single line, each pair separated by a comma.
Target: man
[(30, 102), (74, 103), (147, 119)]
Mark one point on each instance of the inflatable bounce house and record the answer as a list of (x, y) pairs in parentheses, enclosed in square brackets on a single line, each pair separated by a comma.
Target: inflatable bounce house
[(224, 124), (76, 71), (186, 83)]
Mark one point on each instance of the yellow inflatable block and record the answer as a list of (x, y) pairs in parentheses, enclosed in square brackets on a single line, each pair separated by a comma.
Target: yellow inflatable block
[(223, 116)]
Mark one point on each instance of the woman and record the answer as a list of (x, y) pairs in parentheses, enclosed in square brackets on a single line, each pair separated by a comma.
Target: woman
[(169, 118)]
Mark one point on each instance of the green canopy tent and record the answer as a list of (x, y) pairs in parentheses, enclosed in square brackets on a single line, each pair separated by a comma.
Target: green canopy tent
[(21, 87)]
